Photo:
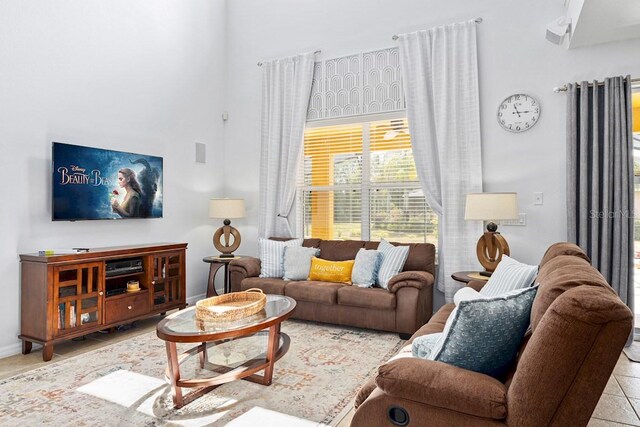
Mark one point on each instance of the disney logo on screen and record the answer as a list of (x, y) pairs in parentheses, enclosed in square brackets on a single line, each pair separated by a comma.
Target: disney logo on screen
[(76, 175)]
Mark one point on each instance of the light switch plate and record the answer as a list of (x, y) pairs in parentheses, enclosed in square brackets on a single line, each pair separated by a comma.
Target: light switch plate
[(520, 221), (538, 199)]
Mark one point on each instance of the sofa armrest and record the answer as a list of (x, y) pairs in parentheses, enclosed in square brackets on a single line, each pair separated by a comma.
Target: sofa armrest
[(477, 284), (414, 279), (444, 386), (240, 269)]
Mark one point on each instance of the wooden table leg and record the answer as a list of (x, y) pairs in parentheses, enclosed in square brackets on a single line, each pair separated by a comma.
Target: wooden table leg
[(211, 284), (26, 346), (174, 373), (272, 348), (203, 354), (47, 351)]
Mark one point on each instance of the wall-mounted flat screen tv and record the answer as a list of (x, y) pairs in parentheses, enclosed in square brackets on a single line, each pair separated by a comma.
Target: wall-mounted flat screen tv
[(94, 183)]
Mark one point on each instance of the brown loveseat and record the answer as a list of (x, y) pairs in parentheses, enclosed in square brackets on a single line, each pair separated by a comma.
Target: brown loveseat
[(578, 329), (404, 308)]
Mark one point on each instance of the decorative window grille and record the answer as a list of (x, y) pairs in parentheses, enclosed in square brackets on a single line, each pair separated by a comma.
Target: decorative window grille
[(365, 83), (359, 181)]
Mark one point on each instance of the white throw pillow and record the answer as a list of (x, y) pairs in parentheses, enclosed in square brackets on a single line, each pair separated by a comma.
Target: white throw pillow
[(272, 256), (466, 294), (509, 275), (297, 262), (393, 259)]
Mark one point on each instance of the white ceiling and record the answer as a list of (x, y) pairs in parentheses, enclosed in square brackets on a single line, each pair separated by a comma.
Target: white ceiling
[(602, 21)]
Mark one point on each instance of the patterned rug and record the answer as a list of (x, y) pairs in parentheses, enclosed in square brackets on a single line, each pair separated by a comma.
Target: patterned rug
[(123, 383)]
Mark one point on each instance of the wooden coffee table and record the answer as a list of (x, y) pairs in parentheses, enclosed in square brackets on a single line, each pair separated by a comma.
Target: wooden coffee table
[(237, 348)]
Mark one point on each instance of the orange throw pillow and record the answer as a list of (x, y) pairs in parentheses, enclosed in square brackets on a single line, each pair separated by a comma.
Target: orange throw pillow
[(331, 271)]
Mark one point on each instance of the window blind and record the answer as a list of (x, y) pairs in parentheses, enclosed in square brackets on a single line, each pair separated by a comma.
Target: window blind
[(359, 181)]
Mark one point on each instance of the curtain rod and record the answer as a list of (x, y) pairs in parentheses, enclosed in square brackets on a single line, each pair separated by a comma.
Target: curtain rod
[(478, 21), (564, 87), (316, 52)]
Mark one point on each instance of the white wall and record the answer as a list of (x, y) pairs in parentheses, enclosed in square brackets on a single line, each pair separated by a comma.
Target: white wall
[(514, 57), (144, 76)]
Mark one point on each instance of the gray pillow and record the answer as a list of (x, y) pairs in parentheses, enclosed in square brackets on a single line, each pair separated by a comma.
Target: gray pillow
[(365, 269), (297, 262), (484, 335)]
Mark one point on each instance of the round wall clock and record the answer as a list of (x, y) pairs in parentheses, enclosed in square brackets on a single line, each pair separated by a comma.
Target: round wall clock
[(518, 113)]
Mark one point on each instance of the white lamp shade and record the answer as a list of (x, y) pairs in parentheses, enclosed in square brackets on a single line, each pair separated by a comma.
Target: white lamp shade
[(491, 206), (226, 208)]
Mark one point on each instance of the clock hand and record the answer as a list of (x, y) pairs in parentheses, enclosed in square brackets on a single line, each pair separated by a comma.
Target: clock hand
[(516, 108)]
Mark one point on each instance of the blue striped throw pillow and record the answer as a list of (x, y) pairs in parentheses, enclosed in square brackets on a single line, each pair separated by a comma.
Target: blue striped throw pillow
[(272, 256), (509, 275), (393, 259)]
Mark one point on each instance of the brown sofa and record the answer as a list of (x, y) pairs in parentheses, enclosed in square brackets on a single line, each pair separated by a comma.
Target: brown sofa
[(404, 308), (578, 329)]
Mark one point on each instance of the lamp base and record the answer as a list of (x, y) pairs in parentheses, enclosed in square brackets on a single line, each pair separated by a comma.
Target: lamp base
[(221, 240), (226, 256), (490, 248)]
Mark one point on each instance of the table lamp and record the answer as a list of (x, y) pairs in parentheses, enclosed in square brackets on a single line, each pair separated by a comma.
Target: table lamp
[(226, 208), (491, 207)]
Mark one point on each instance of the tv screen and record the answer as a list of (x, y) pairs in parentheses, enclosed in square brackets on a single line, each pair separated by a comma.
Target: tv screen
[(94, 183)]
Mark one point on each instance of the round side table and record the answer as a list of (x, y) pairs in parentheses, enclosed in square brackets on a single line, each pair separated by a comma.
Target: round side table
[(468, 276), (216, 262)]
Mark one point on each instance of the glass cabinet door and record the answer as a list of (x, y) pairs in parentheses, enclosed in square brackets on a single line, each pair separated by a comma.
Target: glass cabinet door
[(166, 275), (77, 295)]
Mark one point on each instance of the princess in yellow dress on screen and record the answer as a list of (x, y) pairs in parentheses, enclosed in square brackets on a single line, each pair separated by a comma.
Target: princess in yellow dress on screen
[(130, 206)]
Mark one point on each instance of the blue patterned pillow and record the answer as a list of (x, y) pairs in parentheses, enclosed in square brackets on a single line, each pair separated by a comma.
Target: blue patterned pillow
[(393, 259), (423, 346), (509, 275), (297, 262), (272, 256), (484, 335), (365, 269)]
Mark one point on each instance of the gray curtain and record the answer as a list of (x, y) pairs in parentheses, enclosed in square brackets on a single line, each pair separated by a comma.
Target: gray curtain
[(600, 186)]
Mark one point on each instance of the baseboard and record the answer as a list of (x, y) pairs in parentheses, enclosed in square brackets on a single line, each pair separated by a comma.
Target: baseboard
[(13, 349), (195, 298)]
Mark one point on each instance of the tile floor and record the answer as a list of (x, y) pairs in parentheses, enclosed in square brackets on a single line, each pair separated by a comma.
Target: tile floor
[(619, 405)]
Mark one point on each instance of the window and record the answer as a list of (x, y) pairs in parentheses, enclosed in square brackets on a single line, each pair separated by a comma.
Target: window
[(359, 181)]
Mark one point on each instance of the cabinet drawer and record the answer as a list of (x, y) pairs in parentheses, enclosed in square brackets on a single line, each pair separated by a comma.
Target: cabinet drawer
[(122, 308)]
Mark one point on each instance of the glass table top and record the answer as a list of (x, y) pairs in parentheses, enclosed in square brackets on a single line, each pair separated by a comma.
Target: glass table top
[(185, 323)]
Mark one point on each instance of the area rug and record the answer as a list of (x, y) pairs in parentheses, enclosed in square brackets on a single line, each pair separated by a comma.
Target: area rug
[(123, 383)]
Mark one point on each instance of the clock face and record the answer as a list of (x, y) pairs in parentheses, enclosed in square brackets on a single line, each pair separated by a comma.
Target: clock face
[(518, 113)]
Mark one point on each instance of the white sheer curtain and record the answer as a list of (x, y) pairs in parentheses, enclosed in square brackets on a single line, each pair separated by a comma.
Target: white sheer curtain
[(440, 78), (286, 88)]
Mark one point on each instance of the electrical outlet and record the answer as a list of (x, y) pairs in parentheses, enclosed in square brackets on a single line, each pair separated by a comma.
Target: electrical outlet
[(520, 221), (538, 199)]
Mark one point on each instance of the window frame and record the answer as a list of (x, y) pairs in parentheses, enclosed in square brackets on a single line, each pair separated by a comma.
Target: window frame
[(365, 186)]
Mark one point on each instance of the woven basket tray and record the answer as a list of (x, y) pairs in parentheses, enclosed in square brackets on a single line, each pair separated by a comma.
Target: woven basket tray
[(232, 306)]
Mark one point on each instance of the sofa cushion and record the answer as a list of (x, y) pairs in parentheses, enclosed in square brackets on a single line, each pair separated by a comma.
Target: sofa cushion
[(422, 256), (560, 274), (509, 275), (339, 250), (366, 297), (331, 271), (268, 285), (393, 259), (312, 291), (272, 256), (484, 335), (365, 268), (297, 262)]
